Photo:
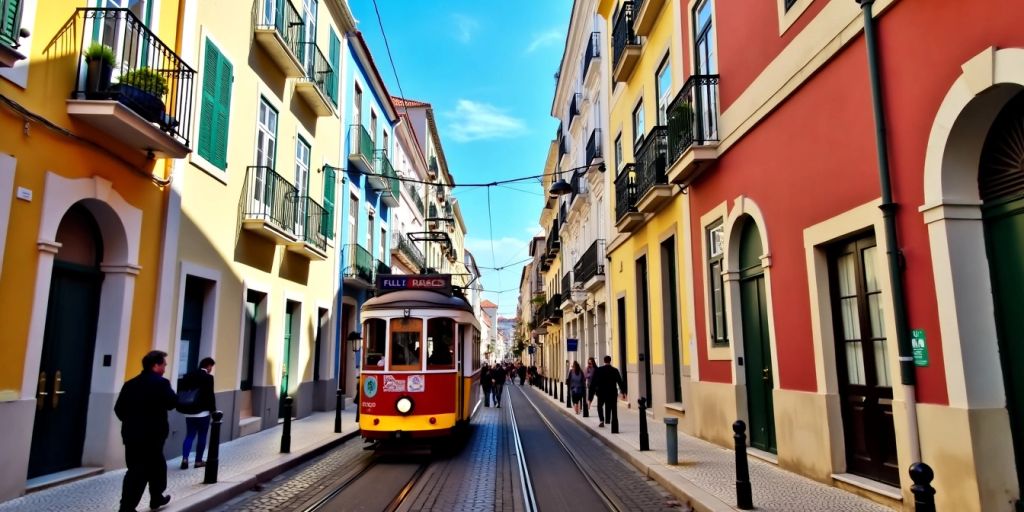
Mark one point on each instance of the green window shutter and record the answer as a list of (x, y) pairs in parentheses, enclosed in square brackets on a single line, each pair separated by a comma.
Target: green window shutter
[(332, 81), (327, 223), (207, 113), (9, 22), (224, 79)]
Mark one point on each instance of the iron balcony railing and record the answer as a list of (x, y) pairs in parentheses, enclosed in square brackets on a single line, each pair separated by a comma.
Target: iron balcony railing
[(563, 214), (148, 77), (361, 142), (432, 166), (623, 34), (578, 184), (312, 217), (562, 150), (625, 191), (652, 161), (591, 263), (593, 51), (594, 146), (380, 268), (553, 243), (555, 307), (386, 175), (283, 17), (318, 69), (10, 22), (270, 198), (574, 107), (402, 243), (693, 115), (567, 287), (415, 195), (359, 263)]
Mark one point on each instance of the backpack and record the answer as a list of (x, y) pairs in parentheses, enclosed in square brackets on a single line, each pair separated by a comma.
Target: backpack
[(188, 397)]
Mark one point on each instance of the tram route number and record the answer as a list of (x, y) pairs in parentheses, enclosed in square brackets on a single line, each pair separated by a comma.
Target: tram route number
[(368, 405)]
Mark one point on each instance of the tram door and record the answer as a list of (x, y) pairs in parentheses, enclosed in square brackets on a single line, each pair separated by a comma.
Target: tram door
[(460, 385)]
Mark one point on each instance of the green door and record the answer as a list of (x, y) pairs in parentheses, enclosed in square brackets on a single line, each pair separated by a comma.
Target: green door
[(756, 346), (286, 359)]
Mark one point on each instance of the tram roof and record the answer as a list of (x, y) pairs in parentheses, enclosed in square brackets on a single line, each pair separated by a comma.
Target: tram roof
[(417, 299)]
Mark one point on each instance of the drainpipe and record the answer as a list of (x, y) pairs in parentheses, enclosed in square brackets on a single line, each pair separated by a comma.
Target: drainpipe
[(893, 253)]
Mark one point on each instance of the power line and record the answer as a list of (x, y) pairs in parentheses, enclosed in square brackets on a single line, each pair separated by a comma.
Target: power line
[(387, 46), (447, 185)]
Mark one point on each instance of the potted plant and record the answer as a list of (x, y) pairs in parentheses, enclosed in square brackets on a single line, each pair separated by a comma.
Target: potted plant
[(99, 59), (681, 122), (142, 90)]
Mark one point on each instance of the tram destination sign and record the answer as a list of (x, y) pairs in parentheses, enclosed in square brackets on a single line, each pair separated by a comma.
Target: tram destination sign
[(395, 282)]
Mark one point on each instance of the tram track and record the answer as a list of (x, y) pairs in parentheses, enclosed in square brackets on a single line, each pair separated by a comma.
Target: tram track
[(378, 485)]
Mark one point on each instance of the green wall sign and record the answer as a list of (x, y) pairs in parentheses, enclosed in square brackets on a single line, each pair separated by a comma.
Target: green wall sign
[(919, 347)]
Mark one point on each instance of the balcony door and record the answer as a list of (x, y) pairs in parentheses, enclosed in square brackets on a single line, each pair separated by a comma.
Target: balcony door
[(272, 12), (266, 150), (115, 32), (301, 186), (705, 63), (308, 36)]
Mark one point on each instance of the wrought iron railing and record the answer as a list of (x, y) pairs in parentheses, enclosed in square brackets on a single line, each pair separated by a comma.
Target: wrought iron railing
[(693, 115), (361, 143), (622, 33), (555, 306), (283, 17), (359, 263), (270, 198), (562, 149), (381, 268), (625, 191), (432, 166), (553, 242), (652, 160), (591, 263), (578, 184), (10, 22), (567, 287), (386, 175), (310, 228), (593, 50), (574, 107), (148, 77), (402, 243), (415, 195), (594, 146), (318, 69)]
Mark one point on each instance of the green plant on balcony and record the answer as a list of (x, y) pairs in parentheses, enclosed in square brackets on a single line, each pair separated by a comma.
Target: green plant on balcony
[(142, 90), (680, 126), (146, 79), (99, 60)]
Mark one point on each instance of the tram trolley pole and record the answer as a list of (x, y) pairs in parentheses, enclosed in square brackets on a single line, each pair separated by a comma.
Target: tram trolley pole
[(213, 455)]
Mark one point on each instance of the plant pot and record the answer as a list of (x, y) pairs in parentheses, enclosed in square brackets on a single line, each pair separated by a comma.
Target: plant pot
[(97, 79), (146, 105)]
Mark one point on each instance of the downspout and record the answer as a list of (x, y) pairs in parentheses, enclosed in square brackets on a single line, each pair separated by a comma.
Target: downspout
[(893, 253)]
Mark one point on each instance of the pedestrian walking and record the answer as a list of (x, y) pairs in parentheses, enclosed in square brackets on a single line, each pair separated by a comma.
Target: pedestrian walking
[(197, 402), (577, 383), (486, 383), (608, 381), (498, 374), (142, 408), (522, 374), (590, 370)]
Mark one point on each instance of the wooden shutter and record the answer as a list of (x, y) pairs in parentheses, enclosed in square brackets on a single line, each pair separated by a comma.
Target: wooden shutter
[(224, 79), (327, 222), (9, 22), (207, 112), (334, 55)]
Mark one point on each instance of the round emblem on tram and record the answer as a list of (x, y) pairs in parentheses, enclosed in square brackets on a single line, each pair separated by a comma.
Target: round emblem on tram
[(370, 386)]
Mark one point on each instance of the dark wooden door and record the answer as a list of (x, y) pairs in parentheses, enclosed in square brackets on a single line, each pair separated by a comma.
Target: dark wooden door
[(643, 331), (862, 353), (756, 343), (286, 356), (65, 369)]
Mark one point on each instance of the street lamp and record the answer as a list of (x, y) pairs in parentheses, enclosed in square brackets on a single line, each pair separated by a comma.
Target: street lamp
[(561, 187), (354, 338)]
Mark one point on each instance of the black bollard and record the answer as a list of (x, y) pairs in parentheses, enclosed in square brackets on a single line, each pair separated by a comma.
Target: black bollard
[(924, 493), (286, 432), (568, 396), (645, 440), (744, 499), (586, 403), (213, 455), (615, 415), (337, 414)]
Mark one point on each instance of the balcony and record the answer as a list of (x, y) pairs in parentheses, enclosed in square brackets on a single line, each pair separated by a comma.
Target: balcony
[(309, 229), (593, 52), (652, 187), (380, 268), (646, 15), (360, 148), (553, 243), (313, 86), (574, 107), (554, 308), (579, 188), (625, 45), (432, 168), (278, 30), (386, 179), (10, 32), (566, 290), (594, 155), (358, 270), (433, 218), (269, 205), (693, 128), (406, 251), (562, 146), (416, 198), (627, 218), (149, 106), (589, 270)]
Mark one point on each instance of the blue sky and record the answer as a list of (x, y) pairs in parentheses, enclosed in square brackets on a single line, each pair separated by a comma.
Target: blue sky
[(487, 67)]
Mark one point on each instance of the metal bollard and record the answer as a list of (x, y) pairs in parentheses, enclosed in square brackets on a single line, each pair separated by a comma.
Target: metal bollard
[(672, 440), (568, 396), (337, 414), (586, 403), (744, 499), (645, 440), (561, 391), (924, 493), (213, 455), (615, 415), (286, 432)]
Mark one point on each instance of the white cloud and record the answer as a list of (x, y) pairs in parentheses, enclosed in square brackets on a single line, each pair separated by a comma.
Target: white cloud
[(465, 28), (544, 39), (473, 120)]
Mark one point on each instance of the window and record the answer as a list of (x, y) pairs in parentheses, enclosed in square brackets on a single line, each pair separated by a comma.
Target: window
[(406, 335), (308, 36), (384, 143), (301, 185), (215, 110), (266, 151), (704, 37), (638, 124), (383, 242), (374, 341), (369, 234), (373, 127), (334, 55), (664, 80), (441, 344), (618, 152), (353, 215), (716, 288), (357, 105), (327, 222)]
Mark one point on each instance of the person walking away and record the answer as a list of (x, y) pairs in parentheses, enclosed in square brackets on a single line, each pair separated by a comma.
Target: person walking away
[(485, 384), (608, 380), (522, 374), (577, 385), (142, 407), (591, 390), (197, 385), (499, 384)]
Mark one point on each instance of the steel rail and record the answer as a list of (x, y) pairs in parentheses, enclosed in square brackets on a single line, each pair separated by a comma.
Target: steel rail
[(529, 498)]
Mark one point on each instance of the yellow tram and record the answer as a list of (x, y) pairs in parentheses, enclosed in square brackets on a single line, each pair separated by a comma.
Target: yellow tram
[(419, 360)]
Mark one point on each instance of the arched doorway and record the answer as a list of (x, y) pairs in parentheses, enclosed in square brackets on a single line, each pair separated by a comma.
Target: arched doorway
[(69, 339), (1001, 189), (756, 342)]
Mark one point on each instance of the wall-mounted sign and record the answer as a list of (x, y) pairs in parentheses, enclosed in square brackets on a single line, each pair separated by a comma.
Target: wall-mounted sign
[(571, 344), (919, 346), (394, 282)]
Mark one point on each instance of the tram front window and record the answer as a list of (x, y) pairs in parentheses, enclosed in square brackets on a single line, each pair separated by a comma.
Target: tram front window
[(374, 344), (406, 336), (441, 343)]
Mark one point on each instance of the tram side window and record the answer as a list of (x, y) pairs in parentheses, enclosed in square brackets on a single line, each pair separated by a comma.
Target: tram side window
[(374, 343), (406, 334), (441, 343)]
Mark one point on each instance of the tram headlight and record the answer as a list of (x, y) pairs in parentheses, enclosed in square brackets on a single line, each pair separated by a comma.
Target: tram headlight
[(404, 405)]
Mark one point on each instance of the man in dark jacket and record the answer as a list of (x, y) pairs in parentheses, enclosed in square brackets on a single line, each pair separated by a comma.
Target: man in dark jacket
[(498, 375), (197, 384), (142, 408), (485, 384), (607, 380)]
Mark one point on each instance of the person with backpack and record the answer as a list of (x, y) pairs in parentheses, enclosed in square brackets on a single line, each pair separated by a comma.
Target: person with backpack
[(197, 402)]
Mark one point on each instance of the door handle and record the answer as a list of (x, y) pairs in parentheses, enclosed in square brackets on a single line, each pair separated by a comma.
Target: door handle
[(57, 391), (764, 374), (40, 391)]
